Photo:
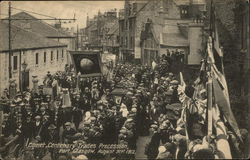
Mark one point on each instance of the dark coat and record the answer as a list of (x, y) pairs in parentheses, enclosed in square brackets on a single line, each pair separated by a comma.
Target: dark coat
[(29, 130), (151, 149), (37, 128), (67, 135), (155, 114)]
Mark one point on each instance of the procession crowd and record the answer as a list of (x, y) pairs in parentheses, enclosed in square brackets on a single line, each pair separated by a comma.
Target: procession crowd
[(84, 110)]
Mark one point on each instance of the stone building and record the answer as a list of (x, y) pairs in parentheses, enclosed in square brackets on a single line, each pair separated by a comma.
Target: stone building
[(46, 30), (98, 27), (174, 24), (232, 17), (242, 13), (112, 39), (33, 54)]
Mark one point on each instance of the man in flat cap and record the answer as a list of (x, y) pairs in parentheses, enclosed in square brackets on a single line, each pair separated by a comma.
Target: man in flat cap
[(37, 127), (52, 136), (174, 86), (151, 149), (6, 125), (68, 133), (29, 126)]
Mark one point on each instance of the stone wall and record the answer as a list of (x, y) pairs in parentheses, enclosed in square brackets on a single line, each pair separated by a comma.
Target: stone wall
[(39, 69), (195, 39)]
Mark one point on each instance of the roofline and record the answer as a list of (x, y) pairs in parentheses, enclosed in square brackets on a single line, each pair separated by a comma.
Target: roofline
[(167, 18), (135, 14), (142, 8), (61, 37), (113, 31), (35, 48), (165, 45), (45, 23)]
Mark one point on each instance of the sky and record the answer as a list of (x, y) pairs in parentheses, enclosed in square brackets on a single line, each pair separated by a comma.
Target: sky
[(62, 9)]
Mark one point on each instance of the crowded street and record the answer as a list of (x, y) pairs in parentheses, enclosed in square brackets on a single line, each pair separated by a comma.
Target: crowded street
[(124, 80), (145, 116)]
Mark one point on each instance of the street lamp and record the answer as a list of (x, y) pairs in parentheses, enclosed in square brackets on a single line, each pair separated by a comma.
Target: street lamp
[(24, 65), (23, 83)]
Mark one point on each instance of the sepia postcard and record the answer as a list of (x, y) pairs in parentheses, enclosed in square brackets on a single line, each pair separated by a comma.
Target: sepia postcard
[(124, 79)]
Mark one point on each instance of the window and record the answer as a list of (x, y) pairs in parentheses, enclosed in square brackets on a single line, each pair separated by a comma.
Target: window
[(36, 58), (244, 32), (131, 42), (15, 62), (121, 41), (126, 42), (44, 57), (130, 24), (51, 56), (184, 11), (62, 53), (57, 55)]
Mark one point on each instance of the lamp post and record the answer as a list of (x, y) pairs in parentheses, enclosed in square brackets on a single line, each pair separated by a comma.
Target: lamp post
[(24, 66), (12, 88), (35, 84), (23, 83)]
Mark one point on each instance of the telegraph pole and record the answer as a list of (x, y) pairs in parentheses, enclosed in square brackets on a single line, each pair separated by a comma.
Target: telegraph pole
[(77, 37), (10, 47), (9, 19)]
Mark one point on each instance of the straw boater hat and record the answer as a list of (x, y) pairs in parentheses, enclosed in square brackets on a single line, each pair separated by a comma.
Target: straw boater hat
[(38, 117), (51, 127), (12, 105), (67, 124), (174, 82), (81, 157)]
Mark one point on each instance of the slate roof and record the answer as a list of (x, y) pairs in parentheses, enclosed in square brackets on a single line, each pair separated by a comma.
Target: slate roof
[(174, 40), (157, 30), (23, 39), (167, 38), (114, 28), (39, 26)]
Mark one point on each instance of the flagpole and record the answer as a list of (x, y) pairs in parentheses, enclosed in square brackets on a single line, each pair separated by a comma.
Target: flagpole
[(211, 15), (210, 60), (222, 64)]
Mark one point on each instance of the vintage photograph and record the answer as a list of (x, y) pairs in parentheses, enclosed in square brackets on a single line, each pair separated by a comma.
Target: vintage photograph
[(124, 79)]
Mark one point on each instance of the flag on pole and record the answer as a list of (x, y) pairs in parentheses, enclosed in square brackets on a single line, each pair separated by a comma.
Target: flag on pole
[(210, 57), (216, 41), (222, 100), (182, 83), (220, 92)]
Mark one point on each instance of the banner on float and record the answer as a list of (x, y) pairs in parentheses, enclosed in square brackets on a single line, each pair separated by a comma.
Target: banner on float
[(88, 63)]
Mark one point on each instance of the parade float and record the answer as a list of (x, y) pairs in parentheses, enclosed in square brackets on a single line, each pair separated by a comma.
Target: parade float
[(87, 63)]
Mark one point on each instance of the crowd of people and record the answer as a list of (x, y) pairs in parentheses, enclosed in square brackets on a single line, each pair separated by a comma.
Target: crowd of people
[(68, 109)]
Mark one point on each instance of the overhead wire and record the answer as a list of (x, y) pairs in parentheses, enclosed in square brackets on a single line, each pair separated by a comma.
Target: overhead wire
[(34, 13), (53, 18)]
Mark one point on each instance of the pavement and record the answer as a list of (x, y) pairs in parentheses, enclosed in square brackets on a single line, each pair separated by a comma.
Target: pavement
[(140, 149)]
